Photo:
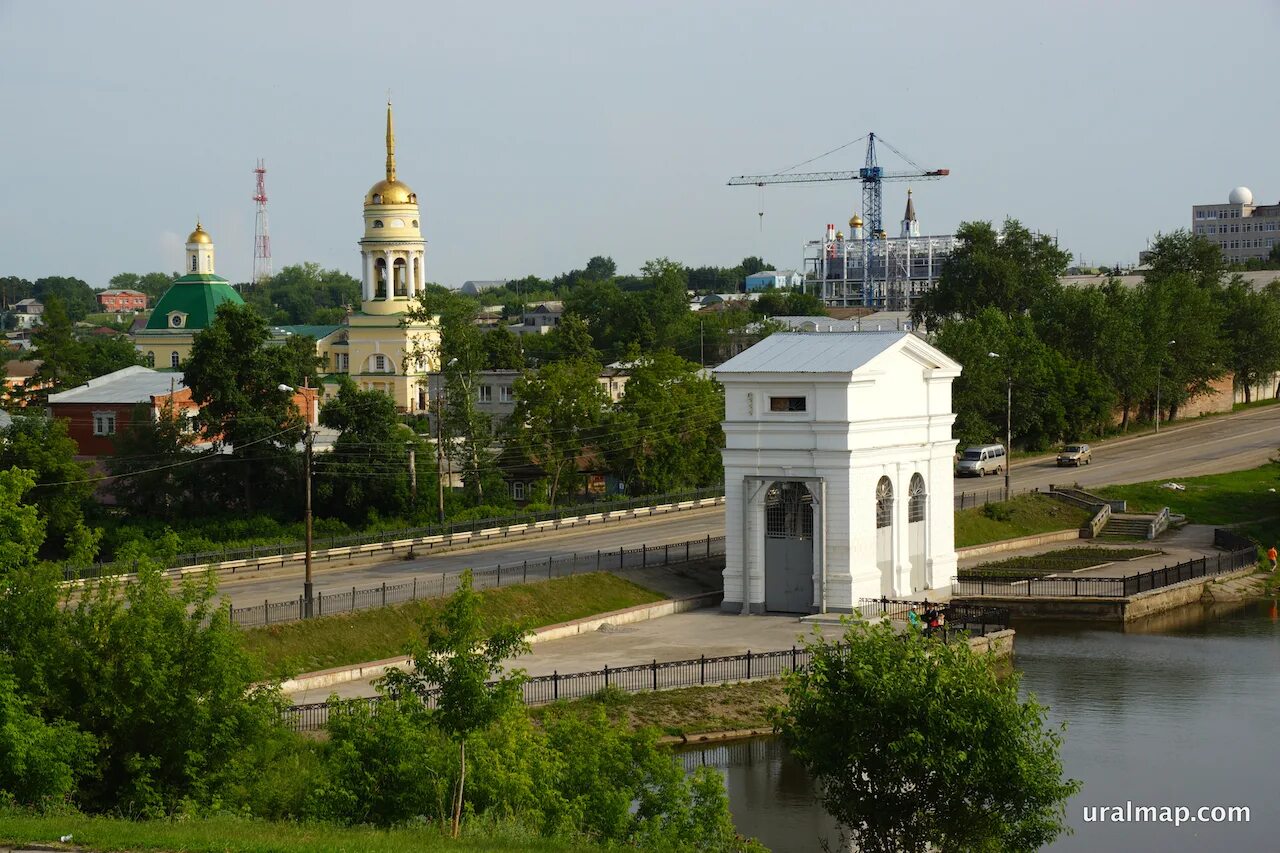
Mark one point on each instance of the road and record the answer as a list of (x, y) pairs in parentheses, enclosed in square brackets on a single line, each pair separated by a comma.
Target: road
[(1205, 446)]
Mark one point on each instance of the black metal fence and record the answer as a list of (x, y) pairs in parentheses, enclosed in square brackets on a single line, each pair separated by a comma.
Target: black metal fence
[(444, 583), (977, 620), (982, 497), (1110, 587), (282, 549), (641, 678)]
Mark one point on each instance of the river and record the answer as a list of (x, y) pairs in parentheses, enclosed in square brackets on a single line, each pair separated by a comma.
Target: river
[(1183, 710)]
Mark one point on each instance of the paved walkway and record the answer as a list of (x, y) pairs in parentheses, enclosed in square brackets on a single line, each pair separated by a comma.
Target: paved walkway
[(1190, 542), (709, 632)]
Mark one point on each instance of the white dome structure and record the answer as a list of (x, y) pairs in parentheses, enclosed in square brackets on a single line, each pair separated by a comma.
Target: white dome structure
[(1240, 195)]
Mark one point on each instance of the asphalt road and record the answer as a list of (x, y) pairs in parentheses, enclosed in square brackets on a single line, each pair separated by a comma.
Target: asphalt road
[(1199, 447)]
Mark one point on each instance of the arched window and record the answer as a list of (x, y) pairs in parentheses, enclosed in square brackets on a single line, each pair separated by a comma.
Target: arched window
[(377, 198), (377, 223), (194, 258), (380, 279), (916, 499), (415, 223), (413, 198), (400, 278), (884, 503), (173, 359)]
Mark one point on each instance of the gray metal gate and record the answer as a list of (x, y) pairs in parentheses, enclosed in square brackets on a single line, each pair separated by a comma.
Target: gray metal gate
[(788, 548)]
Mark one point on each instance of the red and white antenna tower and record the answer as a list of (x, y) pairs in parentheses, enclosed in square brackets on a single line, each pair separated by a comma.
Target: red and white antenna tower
[(261, 235)]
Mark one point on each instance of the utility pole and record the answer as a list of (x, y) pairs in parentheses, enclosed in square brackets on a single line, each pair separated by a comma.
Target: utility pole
[(702, 346), (440, 448), (1008, 434), (308, 441)]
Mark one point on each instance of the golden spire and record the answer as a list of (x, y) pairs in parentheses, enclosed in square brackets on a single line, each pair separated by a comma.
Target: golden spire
[(391, 146)]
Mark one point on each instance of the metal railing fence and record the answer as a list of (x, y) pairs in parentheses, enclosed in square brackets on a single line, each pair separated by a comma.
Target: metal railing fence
[(977, 619), (1109, 587), (282, 549), (486, 577), (982, 497), (640, 678)]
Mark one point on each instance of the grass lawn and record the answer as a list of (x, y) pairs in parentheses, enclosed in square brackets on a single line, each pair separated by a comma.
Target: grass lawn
[(687, 711), (385, 632), (1237, 496), (1020, 516), (237, 835)]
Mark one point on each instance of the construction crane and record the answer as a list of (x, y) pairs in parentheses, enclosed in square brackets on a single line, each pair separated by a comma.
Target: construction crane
[(872, 175)]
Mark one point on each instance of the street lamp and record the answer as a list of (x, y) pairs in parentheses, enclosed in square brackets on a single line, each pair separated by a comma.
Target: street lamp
[(308, 440), (1008, 425), (1159, 374)]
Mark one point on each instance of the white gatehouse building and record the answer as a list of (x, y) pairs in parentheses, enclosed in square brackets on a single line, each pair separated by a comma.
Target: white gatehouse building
[(838, 467)]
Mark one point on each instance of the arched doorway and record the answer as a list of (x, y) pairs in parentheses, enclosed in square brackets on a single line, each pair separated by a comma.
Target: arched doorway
[(917, 502), (788, 548), (884, 534)]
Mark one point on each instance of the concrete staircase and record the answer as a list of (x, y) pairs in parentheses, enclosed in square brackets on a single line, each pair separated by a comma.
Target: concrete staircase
[(1128, 525)]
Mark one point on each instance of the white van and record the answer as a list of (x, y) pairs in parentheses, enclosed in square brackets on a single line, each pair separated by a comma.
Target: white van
[(981, 461)]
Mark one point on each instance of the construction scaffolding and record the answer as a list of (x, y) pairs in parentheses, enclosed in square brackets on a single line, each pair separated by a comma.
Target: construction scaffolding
[(886, 274)]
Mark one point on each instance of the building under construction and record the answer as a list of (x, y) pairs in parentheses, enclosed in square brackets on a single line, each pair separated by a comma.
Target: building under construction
[(861, 269)]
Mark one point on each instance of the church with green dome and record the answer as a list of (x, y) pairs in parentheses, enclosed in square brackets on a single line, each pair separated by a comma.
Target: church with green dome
[(187, 308)]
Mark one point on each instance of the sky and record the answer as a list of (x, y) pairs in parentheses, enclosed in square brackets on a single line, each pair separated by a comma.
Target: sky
[(537, 135)]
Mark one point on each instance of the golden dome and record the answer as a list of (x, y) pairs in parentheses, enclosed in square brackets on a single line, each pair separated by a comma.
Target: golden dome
[(199, 235), (390, 191), (856, 221)]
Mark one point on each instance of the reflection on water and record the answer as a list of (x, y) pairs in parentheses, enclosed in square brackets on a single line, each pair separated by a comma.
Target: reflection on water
[(1181, 710)]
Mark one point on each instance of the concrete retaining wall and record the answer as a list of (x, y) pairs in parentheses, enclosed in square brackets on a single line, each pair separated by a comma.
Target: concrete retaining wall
[(1020, 542), (999, 643), (378, 668)]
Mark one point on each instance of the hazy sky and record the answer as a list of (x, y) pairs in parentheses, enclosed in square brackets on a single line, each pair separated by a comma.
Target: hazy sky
[(538, 134)]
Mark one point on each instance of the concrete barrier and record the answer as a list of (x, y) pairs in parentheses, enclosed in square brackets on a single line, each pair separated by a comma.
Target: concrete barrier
[(376, 669), (1020, 542)]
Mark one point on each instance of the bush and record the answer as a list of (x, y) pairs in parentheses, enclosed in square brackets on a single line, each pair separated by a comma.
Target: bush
[(997, 512), (40, 762)]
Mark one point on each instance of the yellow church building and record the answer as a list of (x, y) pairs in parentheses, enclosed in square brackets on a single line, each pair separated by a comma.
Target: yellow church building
[(377, 346)]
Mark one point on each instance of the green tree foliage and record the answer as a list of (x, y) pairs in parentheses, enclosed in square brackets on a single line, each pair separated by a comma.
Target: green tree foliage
[(461, 660), (21, 527), (559, 410), (61, 494), (1011, 270), (666, 301), (77, 296), (305, 293), (945, 756), (235, 375), (40, 763), (502, 350), (54, 342), (570, 341), (1251, 328), (788, 303), (368, 470), (153, 284), (108, 353), (664, 434), (152, 464)]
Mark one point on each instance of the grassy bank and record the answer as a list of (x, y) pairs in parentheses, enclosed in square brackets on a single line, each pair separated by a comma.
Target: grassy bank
[(385, 632), (688, 711), (1023, 515), (236, 835), (1233, 497)]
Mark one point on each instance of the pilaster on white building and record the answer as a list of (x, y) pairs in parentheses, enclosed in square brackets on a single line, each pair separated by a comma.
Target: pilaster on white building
[(838, 471)]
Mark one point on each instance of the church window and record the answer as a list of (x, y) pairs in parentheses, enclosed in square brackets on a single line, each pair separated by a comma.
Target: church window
[(173, 359), (786, 404), (413, 198), (380, 279), (104, 423), (380, 363), (194, 259), (175, 320), (377, 223), (377, 198), (884, 503), (415, 223), (400, 278), (916, 499), (397, 223)]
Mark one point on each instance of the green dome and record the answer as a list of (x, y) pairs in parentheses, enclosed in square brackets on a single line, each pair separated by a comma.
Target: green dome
[(195, 296)]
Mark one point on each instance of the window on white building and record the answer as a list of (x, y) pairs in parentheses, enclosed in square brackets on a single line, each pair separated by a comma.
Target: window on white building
[(916, 499), (104, 423), (505, 395), (484, 394), (786, 404), (884, 503)]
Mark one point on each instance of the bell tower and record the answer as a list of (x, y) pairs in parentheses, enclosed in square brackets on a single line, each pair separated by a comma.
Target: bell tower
[(392, 251)]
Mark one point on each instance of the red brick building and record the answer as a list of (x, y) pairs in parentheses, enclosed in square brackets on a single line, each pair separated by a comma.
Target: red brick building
[(122, 301)]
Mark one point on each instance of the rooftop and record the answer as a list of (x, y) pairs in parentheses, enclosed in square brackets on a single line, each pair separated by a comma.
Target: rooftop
[(823, 352), (134, 384)]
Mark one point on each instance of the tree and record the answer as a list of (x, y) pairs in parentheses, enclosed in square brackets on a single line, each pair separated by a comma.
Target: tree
[(600, 268), (241, 383), (305, 293), (502, 350), (945, 754), (666, 300), (79, 298), (368, 469), (21, 527), (571, 340), (664, 434), (1012, 270), (558, 411), (751, 265), (108, 353), (62, 492), (65, 357), (1184, 252), (40, 763), (1250, 326), (461, 660), (153, 477), (153, 284)]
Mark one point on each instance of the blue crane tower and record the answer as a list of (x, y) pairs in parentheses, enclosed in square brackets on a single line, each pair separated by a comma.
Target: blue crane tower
[(872, 175)]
